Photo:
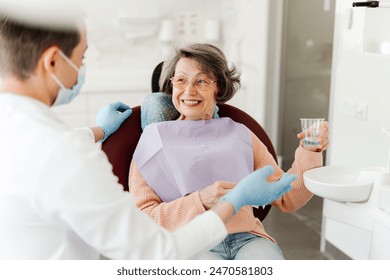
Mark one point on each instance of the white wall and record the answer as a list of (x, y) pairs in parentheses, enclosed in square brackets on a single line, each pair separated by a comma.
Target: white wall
[(248, 34), (360, 97), (124, 48)]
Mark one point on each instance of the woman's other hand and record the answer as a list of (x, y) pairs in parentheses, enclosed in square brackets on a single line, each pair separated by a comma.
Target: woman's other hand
[(255, 190), (211, 194)]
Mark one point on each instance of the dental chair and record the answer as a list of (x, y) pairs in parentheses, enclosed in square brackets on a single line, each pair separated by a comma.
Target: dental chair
[(120, 146)]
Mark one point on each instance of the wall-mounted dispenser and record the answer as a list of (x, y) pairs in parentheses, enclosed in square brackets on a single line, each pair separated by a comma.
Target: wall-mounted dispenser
[(372, 4), (167, 31), (166, 35), (212, 31)]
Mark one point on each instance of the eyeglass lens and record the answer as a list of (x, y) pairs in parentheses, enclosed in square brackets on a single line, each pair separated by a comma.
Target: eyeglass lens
[(201, 83)]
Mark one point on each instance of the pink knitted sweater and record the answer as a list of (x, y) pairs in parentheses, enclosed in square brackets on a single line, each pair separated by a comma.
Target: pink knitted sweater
[(174, 214)]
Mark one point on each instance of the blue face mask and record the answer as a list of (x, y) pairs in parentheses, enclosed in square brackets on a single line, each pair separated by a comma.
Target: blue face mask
[(66, 95)]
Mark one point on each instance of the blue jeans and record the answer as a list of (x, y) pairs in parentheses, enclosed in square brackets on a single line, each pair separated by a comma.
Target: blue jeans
[(244, 246)]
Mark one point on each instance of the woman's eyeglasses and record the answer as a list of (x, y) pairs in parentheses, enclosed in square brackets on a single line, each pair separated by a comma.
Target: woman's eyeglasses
[(199, 83)]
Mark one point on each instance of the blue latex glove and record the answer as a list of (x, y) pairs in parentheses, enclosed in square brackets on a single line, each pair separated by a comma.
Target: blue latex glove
[(158, 107), (255, 190), (111, 116)]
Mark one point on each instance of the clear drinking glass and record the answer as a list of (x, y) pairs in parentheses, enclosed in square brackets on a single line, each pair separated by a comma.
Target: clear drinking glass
[(311, 128)]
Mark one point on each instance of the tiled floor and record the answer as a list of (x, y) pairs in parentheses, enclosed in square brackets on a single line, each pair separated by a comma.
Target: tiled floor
[(298, 233)]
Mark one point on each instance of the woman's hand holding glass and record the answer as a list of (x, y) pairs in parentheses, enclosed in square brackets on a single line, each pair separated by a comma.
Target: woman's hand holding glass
[(322, 138)]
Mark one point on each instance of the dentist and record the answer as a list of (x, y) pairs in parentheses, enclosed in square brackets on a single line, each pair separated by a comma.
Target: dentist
[(58, 196)]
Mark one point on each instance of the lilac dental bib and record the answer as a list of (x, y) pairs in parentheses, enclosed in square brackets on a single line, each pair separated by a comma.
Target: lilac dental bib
[(180, 157)]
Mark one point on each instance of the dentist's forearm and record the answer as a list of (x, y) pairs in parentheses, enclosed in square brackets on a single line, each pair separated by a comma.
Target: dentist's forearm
[(98, 133)]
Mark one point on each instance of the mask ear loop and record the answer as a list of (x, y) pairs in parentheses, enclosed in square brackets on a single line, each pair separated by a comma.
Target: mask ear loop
[(57, 81), (71, 64), (69, 61)]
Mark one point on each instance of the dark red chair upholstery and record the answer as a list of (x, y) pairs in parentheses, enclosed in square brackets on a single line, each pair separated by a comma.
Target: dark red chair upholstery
[(120, 146)]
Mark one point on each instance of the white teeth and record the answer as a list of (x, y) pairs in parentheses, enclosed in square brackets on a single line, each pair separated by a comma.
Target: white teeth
[(191, 101)]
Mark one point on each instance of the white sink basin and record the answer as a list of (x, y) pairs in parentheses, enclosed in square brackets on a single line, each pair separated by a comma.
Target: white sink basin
[(340, 183)]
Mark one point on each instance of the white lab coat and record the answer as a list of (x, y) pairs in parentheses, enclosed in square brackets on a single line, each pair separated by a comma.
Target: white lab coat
[(60, 200)]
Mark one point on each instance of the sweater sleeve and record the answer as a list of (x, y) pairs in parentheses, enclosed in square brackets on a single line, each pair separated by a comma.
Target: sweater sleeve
[(304, 160), (170, 215)]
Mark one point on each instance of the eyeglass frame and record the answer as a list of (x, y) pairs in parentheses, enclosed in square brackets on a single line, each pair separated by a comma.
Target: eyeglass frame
[(193, 84)]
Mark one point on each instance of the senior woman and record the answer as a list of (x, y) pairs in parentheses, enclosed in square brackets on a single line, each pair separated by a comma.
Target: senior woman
[(182, 167)]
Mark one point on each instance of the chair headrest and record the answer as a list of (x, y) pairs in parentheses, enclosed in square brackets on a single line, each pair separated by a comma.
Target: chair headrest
[(156, 77)]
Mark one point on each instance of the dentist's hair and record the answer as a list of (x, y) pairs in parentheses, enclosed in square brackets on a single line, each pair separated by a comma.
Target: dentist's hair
[(212, 62), (21, 44)]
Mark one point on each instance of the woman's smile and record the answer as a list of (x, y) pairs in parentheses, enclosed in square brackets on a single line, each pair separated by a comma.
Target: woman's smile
[(190, 102)]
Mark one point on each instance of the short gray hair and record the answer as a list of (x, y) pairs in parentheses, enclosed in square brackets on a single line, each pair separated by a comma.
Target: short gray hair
[(211, 60)]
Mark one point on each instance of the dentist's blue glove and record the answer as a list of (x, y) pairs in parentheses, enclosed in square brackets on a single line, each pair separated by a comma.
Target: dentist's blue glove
[(255, 190), (158, 107), (111, 116)]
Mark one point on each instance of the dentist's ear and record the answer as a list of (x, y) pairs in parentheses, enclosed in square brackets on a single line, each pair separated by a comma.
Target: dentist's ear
[(49, 57)]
